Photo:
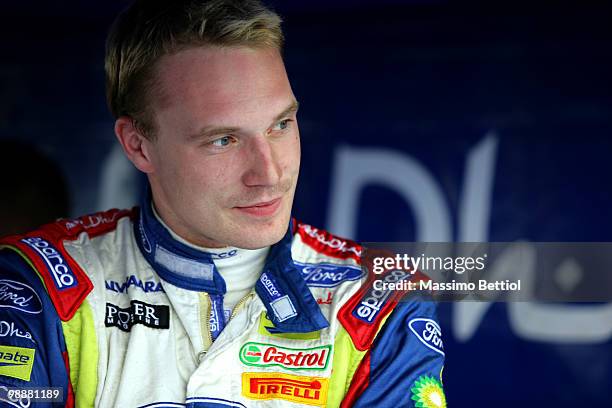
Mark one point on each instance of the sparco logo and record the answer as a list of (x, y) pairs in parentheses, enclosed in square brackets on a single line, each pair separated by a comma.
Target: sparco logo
[(374, 299), (61, 272), (17, 295), (155, 316), (328, 275), (268, 355), (269, 285), (428, 332)]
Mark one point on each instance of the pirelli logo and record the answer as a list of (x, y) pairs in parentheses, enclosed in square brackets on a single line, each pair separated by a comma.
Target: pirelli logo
[(294, 388)]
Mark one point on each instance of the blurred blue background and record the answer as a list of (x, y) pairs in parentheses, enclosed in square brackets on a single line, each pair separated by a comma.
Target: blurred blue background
[(420, 120)]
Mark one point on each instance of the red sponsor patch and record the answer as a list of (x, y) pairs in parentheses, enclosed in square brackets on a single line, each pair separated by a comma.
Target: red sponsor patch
[(328, 244)]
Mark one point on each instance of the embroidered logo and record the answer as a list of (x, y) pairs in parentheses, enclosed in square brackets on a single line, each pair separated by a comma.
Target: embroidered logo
[(428, 332), (270, 355), (63, 276), (294, 388), (154, 316), (19, 296)]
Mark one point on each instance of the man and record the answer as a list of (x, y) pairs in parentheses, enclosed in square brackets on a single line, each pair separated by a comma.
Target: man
[(209, 294)]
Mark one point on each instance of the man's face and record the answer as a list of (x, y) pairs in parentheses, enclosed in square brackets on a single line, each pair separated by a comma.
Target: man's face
[(226, 155)]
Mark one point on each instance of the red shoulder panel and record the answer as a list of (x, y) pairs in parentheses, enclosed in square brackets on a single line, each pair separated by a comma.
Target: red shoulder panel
[(364, 312), (328, 244), (65, 281)]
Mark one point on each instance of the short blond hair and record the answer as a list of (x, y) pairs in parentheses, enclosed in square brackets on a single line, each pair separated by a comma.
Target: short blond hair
[(150, 29)]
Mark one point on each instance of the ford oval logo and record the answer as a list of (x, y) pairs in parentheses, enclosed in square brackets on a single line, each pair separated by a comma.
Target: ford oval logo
[(428, 332), (19, 296)]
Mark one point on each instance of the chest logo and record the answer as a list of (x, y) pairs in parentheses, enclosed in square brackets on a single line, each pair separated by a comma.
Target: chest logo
[(154, 316), (294, 388), (328, 275), (270, 355), (133, 281)]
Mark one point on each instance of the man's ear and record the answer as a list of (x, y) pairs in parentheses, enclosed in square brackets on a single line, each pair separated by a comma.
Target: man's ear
[(135, 145)]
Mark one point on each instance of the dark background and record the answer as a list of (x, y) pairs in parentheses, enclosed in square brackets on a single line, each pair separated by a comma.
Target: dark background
[(420, 120)]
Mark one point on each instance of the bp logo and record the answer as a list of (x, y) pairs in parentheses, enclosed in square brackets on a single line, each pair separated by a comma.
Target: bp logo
[(270, 355), (427, 392)]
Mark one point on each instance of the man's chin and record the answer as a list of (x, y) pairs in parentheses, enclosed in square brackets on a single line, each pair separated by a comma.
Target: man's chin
[(261, 236)]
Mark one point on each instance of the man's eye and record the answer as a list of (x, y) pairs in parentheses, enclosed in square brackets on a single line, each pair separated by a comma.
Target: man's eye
[(282, 125), (222, 141)]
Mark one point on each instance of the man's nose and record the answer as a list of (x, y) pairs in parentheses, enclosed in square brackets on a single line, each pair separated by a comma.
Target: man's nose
[(263, 166)]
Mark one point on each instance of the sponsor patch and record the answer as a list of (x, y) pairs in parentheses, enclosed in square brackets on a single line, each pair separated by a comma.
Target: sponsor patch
[(270, 355), (16, 362), (427, 392), (374, 300), (294, 388), (328, 244), (266, 328), (19, 296), (10, 329), (154, 316), (133, 281), (328, 275), (63, 277), (428, 332)]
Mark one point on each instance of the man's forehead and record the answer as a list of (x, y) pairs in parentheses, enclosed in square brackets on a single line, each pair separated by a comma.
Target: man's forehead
[(214, 83), (219, 72)]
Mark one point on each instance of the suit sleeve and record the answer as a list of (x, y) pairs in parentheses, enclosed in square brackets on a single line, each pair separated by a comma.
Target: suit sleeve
[(32, 347), (403, 368)]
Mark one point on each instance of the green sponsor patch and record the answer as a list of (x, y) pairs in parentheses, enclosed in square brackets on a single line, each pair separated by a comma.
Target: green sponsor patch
[(16, 362), (427, 392), (271, 355)]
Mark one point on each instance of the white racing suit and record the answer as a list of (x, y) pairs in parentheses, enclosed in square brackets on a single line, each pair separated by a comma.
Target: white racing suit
[(117, 313)]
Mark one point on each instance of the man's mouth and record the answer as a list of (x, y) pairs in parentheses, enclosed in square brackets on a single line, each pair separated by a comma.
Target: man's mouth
[(261, 209)]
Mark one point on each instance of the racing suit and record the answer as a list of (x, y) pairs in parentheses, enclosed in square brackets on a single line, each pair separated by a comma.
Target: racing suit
[(120, 314)]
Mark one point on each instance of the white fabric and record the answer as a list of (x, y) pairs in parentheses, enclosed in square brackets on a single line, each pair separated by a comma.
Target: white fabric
[(239, 271)]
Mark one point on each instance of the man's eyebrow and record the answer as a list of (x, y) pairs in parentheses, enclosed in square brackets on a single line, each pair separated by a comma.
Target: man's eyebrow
[(209, 131), (291, 109)]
